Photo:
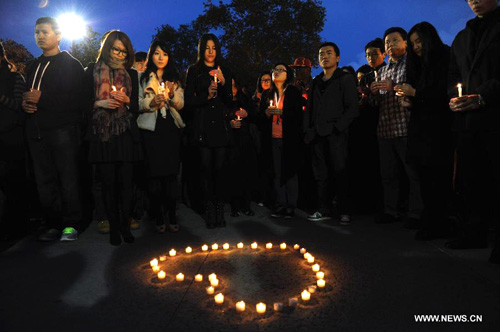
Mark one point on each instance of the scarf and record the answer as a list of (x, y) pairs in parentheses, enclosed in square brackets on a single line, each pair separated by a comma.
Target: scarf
[(110, 122)]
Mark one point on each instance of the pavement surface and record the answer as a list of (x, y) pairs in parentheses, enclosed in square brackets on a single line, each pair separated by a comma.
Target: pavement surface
[(377, 278)]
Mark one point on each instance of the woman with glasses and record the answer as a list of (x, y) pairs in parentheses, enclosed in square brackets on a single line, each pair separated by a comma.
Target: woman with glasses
[(429, 129), (161, 98), (282, 106), (208, 96), (263, 83), (114, 138)]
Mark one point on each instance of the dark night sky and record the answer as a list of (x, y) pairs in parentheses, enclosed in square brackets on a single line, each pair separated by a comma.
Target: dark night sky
[(351, 24)]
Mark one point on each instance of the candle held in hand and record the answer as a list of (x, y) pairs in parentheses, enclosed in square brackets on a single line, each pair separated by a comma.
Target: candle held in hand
[(459, 87)]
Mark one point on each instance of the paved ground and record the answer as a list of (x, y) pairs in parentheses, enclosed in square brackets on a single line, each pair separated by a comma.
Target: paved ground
[(377, 276)]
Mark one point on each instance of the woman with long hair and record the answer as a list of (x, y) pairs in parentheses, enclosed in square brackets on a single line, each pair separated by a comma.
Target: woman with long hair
[(282, 106), (114, 138), (263, 83), (161, 98), (208, 95), (429, 131)]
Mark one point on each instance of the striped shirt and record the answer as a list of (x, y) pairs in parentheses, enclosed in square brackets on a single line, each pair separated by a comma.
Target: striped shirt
[(14, 102), (393, 118)]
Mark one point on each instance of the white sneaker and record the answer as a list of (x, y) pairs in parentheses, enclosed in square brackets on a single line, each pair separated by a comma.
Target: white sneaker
[(345, 219), (317, 216)]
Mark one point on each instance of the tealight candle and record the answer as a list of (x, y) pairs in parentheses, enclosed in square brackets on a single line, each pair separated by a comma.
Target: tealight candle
[(215, 246), (189, 250), (459, 87), (172, 253), (303, 251), (283, 246), (153, 262), (293, 301), (161, 275), (321, 283), (225, 246), (261, 308), (307, 255), (269, 245), (240, 245), (204, 247), (212, 276), (315, 267), (296, 247), (163, 258), (306, 296), (240, 306), (214, 282), (210, 290), (156, 269), (320, 275), (310, 260), (179, 277), (278, 306), (198, 278), (254, 245), (219, 298), (312, 289)]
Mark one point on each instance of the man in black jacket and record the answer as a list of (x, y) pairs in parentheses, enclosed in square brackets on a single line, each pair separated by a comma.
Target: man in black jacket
[(332, 106), (53, 104), (475, 65)]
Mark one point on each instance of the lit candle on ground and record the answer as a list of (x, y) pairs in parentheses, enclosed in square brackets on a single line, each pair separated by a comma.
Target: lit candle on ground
[(296, 247), (240, 306), (261, 308), (254, 245), (198, 278), (303, 251), (212, 276), (293, 301), (156, 269), (153, 262), (320, 275), (215, 246), (204, 247), (315, 267), (307, 255), (161, 275), (240, 245), (189, 250), (321, 283), (310, 260), (459, 87), (269, 245), (312, 289), (214, 282), (306, 296), (172, 253), (283, 246), (179, 277), (219, 298), (225, 246), (163, 258), (278, 306), (210, 290)]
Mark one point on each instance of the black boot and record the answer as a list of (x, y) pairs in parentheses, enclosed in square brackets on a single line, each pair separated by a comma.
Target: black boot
[(221, 221), (210, 214)]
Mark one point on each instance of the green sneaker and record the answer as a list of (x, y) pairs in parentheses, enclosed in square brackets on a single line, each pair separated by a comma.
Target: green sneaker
[(69, 234)]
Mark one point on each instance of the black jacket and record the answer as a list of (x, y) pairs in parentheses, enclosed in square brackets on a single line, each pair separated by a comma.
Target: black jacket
[(476, 64)]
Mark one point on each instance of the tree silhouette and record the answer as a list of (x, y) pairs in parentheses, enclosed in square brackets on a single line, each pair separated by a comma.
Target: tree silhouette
[(17, 54), (86, 50)]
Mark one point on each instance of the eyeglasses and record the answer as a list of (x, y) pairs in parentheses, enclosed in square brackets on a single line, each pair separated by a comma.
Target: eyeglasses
[(117, 51), (267, 80), (278, 70)]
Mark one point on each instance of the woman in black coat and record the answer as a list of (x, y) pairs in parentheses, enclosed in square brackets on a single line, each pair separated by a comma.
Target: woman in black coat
[(429, 131), (282, 140), (208, 96), (114, 138)]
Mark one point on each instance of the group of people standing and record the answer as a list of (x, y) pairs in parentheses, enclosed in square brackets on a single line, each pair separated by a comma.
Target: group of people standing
[(434, 139)]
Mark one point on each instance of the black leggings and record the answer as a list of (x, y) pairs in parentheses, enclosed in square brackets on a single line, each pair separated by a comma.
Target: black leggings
[(212, 162), (162, 191)]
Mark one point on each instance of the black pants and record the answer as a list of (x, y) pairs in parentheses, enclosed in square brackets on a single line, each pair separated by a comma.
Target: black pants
[(287, 194), (163, 195), (55, 164), (13, 204), (330, 172), (212, 177)]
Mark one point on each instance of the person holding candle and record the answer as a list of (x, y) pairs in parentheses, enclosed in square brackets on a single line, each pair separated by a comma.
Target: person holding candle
[(209, 97), (474, 63), (429, 129), (114, 138), (161, 95), (283, 139)]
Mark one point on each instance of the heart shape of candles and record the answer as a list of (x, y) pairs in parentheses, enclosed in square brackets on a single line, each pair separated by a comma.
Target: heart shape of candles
[(211, 282)]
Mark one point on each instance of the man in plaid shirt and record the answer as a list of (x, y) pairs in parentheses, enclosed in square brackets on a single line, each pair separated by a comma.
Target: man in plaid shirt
[(392, 132)]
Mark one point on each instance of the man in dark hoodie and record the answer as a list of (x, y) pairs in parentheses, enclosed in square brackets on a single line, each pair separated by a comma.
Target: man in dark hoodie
[(53, 103), (332, 106), (475, 65)]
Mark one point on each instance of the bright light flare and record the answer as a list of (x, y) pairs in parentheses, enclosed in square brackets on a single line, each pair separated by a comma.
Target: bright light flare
[(72, 26)]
